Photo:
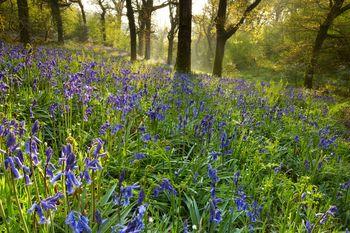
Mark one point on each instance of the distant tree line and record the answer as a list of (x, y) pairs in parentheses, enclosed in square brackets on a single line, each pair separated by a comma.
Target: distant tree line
[(283, 29)]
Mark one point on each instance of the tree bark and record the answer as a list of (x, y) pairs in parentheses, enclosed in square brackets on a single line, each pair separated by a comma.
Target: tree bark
[(132, 28), (23, 16), (57, 18), (103, 26), (183, 59), (170, 49), (335, 10), (148, 31), (219, 55), (223, 34), (85, 34), (141, 37)]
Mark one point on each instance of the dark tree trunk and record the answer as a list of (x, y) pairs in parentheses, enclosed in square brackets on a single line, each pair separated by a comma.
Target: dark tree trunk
[(132, 28), (223, 34), (23, 16), (174, 25), (219, 55), (57, 18), (148, 31), (141, 37), (183, 59), (85, 35), (170, 49), (335, 10), (103, 26)]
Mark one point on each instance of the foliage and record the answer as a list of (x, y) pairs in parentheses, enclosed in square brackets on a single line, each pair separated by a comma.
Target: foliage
[(91, 142)]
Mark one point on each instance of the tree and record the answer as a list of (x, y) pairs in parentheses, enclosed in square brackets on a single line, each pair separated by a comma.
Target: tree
[(118, 7), (223, 33), (132, 28), (104, 7), (85, 34), (336, 8), (23, 16), (57, 18), (174, 26), (141, 29), (183, 59), (145, 29)]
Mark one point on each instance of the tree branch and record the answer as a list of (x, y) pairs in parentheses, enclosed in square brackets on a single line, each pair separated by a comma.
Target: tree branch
[(233, 28), (344, 8)]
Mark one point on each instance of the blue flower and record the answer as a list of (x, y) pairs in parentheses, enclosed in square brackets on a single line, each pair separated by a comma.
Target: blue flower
[(136, 225), (78, 222), (212, 173), (126, 193), (37, 208), (9, 164), (309, 226), (164, 186)]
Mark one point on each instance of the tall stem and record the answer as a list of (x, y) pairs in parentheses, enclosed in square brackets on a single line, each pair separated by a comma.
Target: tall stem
[(19, 206)]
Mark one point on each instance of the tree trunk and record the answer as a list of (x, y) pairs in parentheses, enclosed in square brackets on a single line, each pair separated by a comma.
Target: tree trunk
[(141, 37), (335, 10), (132, 28), (183, 59), (23, 16), (219, 55), (57, 18), (85, 33), (170, 49), (103, 26), (148, 31), (321, 36)]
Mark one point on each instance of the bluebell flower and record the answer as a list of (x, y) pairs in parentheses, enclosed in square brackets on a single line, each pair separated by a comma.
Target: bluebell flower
[(10, 164), (212, 173), (139, 156), (71, 182), (136, 225), (330, 212), (98, 218), (104, 128), (50, 203), (78, 222), (236, 178), (309, 226), (141, 197), (345, 185), (35, 127), (146, 137), (164, 186), (185, 227), (241, 201), (214, 155), (38, 209), (11, 142), (297, 139), (115, 129), (126, 193)]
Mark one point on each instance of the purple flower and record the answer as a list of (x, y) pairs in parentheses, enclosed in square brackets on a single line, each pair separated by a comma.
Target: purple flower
[(309, 226), (164, 186), (212, 173), (38, 209), (10, 164), (78, 222), (136, 225), (126, 193), (50, 203), (236, 178)]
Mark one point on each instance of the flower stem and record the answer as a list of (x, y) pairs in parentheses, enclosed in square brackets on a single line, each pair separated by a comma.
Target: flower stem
[(19, 207)]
